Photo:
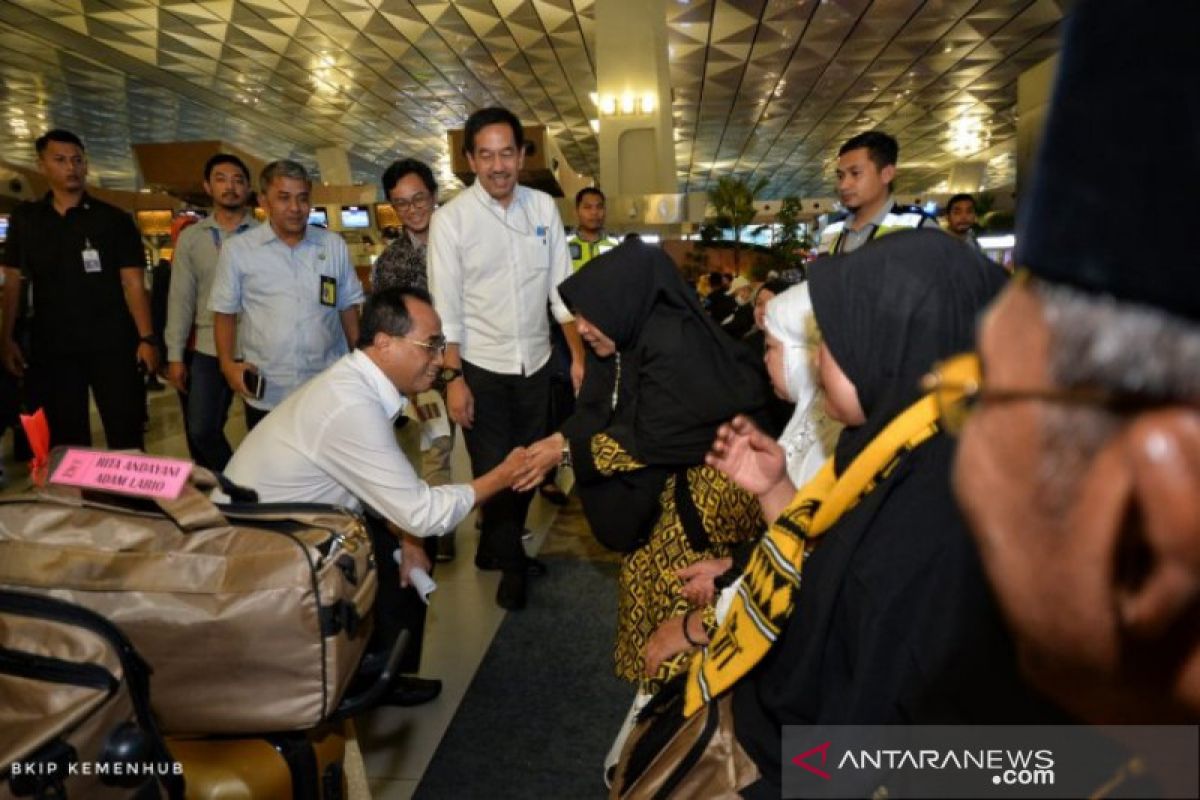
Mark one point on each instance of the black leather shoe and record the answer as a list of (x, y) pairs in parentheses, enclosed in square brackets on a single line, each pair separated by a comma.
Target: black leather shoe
[(532, 566), (409, 691), (511, 593)]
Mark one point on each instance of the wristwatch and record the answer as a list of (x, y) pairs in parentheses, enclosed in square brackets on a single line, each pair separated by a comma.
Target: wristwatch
[(447, 374), (566, 453), (150, 339)]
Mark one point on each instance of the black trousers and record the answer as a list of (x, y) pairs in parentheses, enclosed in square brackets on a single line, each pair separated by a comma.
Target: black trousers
[(60, 384), (396, 609), (510, 411)]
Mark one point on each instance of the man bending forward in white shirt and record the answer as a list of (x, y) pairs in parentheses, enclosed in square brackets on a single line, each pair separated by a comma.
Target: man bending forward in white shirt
[(331, 441)]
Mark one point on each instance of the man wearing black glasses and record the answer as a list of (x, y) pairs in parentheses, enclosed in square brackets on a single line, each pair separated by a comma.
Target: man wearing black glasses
[(331, 441), (411, 189)]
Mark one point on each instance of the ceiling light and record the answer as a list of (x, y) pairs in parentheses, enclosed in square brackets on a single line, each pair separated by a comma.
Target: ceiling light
[(595, 98), (608, 105), (628, 102), (595, 123), (967, 135), (648, 103)]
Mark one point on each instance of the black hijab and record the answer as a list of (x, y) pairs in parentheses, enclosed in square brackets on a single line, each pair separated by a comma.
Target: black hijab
[(680, 375), (890, 310)]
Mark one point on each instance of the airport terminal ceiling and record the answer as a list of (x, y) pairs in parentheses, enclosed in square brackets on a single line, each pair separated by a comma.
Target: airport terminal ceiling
[(760, 87)]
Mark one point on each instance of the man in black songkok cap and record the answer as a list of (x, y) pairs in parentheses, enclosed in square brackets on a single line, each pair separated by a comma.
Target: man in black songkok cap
[(1080, 466)]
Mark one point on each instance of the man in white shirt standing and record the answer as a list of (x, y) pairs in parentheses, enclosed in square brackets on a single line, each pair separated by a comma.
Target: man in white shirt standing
[(331, 442), (296, 293), (497, 252)]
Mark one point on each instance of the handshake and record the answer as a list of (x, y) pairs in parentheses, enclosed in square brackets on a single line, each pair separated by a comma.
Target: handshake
[(525, 467)]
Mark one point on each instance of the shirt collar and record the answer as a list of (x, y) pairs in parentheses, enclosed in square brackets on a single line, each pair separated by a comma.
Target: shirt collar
[(393, 402), (413, 244), (247, 222), (874, 222), (269, 235), (85, 202), (518, 196)]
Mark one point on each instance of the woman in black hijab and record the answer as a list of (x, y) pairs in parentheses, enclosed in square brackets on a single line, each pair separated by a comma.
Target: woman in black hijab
[(660, 380), (893, 622)]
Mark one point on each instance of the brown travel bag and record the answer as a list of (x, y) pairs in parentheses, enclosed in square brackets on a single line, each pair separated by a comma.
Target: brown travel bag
[(253, 616), (75, 721)]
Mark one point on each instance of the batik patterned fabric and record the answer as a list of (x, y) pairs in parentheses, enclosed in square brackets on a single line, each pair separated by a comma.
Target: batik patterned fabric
[(650, 588), (402, 263)]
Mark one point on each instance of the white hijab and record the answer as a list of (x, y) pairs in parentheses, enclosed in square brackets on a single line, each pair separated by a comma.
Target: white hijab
[(808, 440)]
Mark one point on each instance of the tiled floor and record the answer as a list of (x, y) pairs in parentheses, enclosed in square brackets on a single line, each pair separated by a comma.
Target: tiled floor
[(397, 743)]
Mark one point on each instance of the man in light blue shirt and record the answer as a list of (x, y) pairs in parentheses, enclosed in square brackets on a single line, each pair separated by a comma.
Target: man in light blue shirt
[(296, 292)]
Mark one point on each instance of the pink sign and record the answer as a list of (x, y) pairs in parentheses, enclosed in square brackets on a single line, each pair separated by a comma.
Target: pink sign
[(126, 473)]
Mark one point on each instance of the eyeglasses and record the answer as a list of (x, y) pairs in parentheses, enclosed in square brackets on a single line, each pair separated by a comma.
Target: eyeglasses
[(418, 202), (957, 386), (436, 345)]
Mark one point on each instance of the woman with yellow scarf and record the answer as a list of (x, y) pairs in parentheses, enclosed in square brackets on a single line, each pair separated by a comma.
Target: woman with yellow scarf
[(865, 602)]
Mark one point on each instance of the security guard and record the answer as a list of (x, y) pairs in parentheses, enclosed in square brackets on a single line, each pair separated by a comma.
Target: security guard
[(865, 170), (589, 240)]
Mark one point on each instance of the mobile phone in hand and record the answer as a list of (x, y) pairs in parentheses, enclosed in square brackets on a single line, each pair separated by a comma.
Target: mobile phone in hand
[(256, 384)]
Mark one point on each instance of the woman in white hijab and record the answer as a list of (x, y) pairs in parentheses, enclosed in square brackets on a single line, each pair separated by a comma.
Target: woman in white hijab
[(791, 345), (792, 341)]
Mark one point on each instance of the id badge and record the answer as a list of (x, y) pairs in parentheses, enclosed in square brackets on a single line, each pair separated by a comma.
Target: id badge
[(91, 260), (328, 291)]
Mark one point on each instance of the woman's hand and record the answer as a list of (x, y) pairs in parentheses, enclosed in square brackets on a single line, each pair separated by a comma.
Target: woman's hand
[(540, 458), (748, 456), (699, 580), (667, 641)]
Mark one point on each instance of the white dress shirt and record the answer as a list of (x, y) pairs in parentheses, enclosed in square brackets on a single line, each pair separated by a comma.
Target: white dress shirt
[(492, 270), (290, 300), (331, 441)]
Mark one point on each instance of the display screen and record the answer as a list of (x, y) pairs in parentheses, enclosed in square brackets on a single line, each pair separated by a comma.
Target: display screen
[(3, 227), (356, 217), (317, 215)]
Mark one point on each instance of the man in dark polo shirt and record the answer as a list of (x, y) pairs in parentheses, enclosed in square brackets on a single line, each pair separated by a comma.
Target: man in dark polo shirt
[(91, 322)]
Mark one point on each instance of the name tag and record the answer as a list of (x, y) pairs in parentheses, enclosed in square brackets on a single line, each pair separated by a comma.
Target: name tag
[(328, 291), (91, 260), (124, 473)]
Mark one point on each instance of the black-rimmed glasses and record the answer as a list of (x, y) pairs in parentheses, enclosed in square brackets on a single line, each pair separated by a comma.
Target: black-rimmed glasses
[(957, 386), (418, 202)]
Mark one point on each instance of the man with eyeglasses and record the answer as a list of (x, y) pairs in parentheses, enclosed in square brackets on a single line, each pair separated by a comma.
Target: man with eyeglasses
[(1079, 465), (331, 442), (411, 189)]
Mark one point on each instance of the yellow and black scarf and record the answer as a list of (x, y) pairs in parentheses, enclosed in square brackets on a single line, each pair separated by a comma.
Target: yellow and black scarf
[(766, 596)]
